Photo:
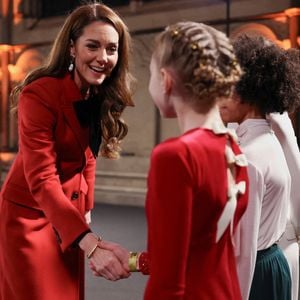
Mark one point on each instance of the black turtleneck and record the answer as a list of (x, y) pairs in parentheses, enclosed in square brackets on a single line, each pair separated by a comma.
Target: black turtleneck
[(89, 115)]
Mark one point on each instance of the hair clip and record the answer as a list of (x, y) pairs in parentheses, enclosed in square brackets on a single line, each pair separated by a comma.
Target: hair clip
[(234, 63), (194, 46), (174, 33)]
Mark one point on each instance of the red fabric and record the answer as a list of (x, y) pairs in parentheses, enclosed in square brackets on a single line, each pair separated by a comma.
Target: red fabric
[(143, 263), (187, 191), (39, 219)]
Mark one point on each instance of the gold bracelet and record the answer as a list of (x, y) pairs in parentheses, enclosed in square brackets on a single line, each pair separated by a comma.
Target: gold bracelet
[(132, 262), (90, 254)]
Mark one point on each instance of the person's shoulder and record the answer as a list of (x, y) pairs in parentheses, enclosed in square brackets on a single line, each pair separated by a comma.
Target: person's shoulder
[(172, 147), (45, 90), (46, 82)]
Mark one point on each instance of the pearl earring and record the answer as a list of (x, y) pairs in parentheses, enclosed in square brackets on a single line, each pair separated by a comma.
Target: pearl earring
[(71, 66)]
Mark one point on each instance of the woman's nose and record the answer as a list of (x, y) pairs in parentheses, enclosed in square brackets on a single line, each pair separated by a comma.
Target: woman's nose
[(102, 56)]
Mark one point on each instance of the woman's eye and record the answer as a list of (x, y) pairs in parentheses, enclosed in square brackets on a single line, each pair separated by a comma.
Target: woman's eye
[(92, 46), (112, 49)]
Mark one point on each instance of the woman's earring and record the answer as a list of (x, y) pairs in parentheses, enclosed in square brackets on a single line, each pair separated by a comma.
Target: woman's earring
[(71, 66)]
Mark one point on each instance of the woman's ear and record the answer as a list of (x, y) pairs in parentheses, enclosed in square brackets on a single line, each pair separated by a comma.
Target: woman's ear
[(167, 81), (72, 48)]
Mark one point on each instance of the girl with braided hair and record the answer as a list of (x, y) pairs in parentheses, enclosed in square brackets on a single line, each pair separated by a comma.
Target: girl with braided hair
[(197, 182), (269, 84)]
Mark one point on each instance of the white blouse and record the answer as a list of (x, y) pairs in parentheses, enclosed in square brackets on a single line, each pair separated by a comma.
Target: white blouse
[(269, 190), (282, 126)]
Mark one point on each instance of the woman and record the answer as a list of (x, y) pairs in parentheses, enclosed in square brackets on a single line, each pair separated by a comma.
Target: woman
[(267, 86), (197, 183), (66, 109)]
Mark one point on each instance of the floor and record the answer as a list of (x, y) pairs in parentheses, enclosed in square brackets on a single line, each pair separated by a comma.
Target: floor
[(125, 225)]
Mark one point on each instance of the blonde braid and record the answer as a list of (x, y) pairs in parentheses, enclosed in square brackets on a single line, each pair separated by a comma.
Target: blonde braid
[(203, 58)]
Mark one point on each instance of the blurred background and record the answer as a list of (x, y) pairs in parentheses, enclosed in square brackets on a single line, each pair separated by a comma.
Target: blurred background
[(27, 31)]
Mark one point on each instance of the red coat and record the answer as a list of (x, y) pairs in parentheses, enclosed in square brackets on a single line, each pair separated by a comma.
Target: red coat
[(187, 193), (45, 196)]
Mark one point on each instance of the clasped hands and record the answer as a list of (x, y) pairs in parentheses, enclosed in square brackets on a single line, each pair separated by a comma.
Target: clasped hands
[(106, 259)]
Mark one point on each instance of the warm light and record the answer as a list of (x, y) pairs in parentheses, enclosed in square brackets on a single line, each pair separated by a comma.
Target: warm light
[(254, 29), (5, 47), (17, 15), (292, 12), (281, 19), (285, 44), (7, 157), (27, 61), (16, 73)]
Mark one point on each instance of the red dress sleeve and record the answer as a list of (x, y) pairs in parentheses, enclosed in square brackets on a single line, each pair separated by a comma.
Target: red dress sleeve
[(169, 210)]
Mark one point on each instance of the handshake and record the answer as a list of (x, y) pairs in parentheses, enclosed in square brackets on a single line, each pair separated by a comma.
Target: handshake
[(110, 260)]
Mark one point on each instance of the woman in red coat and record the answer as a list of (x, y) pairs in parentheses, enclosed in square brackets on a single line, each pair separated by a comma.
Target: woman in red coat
[(66, 110)]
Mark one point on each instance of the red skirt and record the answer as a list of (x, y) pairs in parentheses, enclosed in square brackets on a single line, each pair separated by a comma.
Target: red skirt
[(32, 265)]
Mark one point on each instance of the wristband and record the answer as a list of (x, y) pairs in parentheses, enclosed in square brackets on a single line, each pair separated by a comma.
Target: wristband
[(132, 261), (143, 263), (139, 262)]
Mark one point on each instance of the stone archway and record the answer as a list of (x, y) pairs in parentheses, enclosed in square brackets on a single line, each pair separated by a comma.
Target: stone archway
[(255, 29), (28, 60)]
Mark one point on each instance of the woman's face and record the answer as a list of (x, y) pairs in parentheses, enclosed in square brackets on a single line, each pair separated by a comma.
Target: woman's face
[(96, 54)]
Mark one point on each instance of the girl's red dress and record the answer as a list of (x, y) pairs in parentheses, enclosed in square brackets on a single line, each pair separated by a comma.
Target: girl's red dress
[(187, 192)]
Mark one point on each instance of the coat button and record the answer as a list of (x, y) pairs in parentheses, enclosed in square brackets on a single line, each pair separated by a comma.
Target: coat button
[(75, 195)]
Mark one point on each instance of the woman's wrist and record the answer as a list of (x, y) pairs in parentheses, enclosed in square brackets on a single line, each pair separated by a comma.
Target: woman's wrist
[(89, 243), (138, 262)]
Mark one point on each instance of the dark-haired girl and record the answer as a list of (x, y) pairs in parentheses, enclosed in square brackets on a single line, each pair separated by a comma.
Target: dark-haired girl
[(268, 85)]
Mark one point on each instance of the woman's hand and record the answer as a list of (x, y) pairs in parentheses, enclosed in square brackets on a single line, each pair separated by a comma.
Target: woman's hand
[(107, 259), (121, 253), (106, 264)]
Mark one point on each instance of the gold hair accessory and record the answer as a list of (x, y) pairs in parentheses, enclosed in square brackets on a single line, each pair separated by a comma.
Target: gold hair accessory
[(174, 33), (194, 46)]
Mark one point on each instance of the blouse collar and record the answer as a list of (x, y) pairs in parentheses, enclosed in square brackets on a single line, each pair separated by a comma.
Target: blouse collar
[(251, 125)]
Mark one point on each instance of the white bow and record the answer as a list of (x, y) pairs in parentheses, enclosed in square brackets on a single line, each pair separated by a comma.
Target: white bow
[(239, 159), (219, 128), (227, 215)]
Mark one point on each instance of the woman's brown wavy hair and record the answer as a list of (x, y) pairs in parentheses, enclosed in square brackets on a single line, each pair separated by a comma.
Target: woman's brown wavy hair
[(114, 92)]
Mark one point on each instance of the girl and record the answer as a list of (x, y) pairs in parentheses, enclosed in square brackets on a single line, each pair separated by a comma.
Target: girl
[(268, 85), (197, 184)]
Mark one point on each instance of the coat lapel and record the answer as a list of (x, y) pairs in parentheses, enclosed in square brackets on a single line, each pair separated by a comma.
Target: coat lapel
[(70, 95)]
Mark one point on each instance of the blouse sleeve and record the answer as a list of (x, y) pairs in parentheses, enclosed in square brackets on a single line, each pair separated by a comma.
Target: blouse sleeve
[(246, 235), (282, 126), (169, 206), (37, 121)]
